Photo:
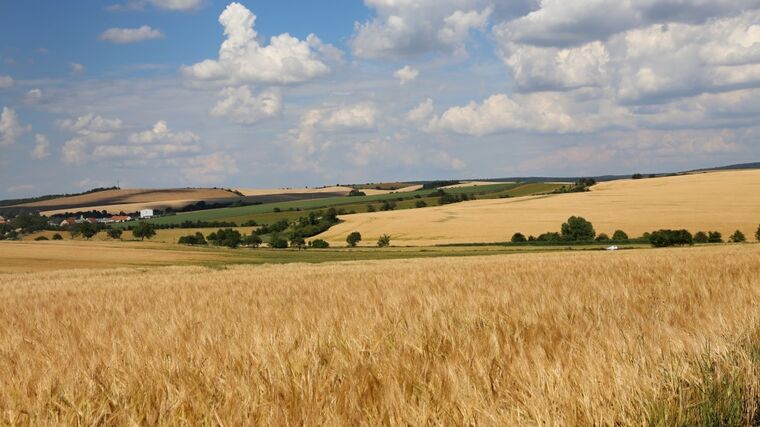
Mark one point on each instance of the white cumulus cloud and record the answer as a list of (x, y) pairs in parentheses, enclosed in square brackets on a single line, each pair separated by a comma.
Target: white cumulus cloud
[(10, 127), (243, 59), (406, 74), (131, 35), (240, 105), (41, 147)]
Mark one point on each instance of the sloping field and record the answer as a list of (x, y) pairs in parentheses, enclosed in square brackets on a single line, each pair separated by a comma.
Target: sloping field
[(339, 189), (722, 201), (134, 199), (654, 337)]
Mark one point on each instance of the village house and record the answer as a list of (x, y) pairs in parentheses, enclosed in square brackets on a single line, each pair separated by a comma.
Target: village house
[(121, 218), (2, 220), (68, 222), (146, 213)]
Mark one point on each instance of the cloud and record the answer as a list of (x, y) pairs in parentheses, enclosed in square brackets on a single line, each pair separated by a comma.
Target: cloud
[(173, 5), (131, 35), (207, 169), (6, 82), (404, 28), (21, 188), (560, 23), (353, 117), (33, 96), (41, 147), (76, 68), (10, 127), (240, 105), (160, 133), (242, 59), (89, 130), (406, 75)]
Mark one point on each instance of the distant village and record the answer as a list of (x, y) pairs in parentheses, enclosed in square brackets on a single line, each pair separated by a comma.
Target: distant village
[(143, 214)]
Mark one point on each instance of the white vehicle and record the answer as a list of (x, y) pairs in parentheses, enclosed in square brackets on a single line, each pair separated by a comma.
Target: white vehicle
[(613, 248)]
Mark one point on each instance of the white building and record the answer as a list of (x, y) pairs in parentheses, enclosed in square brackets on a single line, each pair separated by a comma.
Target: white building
[(146, 213)]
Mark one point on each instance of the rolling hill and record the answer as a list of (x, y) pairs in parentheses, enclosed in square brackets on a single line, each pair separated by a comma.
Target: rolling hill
[(724, 201)]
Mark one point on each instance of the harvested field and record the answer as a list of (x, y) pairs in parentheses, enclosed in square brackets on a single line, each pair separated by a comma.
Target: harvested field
[(626, 338), (722, 201), (129, 200)]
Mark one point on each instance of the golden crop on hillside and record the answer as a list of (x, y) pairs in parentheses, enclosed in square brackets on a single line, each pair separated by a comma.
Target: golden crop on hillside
[(570, 338), (722, 201)]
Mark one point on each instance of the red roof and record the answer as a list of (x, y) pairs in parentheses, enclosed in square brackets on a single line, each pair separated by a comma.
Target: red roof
[(120, 218)]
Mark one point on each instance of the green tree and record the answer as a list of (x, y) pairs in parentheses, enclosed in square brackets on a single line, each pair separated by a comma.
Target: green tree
[(757, 233), (319, 244), (115, 233), (144, 230), (194, 239), (57, 236), (619, 236), (518, 238), (665, 238), (86, 229), (420, 204), (700, 237), (602, 237), (549, 237), (714, 237), (277, 242), (738, 237), (384, 241), (577, 229), (297, 241), (253, 241), (353, 239)]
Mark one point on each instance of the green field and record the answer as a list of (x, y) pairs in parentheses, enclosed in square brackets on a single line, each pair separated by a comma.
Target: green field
[(273, 212)]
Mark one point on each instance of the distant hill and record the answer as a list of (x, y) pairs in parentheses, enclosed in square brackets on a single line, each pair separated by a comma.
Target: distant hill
[(755, 165)]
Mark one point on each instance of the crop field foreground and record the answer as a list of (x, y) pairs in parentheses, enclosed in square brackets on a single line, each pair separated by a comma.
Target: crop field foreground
[(594, 338)]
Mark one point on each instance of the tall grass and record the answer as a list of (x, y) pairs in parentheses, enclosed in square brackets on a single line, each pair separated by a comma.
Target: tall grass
[(635, 337)]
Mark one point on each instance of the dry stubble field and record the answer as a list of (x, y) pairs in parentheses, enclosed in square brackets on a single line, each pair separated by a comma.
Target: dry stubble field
[(640, 336)]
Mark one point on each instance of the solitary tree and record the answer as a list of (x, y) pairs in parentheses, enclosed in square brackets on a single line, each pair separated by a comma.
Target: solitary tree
[(353, 239), (115, 233), (577, 229), (619, 235), (144, 230), (384, 241), (85, 229), (519, 238), (738, 237), (277, 242), (319, 244)]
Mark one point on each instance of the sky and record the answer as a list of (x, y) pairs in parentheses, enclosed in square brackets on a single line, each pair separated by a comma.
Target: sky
[(287, 93)]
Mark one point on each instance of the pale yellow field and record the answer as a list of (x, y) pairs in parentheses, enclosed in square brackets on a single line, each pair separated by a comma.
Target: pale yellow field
[(626, 338), (474, 184), (722, 201), (339, 189), (16, 257)]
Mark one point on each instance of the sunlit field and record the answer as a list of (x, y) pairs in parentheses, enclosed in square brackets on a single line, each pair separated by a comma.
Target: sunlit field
[(722, 201), (584, 338)]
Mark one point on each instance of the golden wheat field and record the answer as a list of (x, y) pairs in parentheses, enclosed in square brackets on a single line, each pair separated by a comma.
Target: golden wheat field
[(595, 338), (722, 201)]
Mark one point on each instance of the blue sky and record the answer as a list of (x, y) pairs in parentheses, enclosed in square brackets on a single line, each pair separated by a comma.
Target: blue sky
[(166, 93)]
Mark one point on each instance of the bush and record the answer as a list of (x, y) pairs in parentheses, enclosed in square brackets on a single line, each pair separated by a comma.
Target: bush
[(420, 204), (297, 241), (602, 237), (637, 176), (714, 237), (384, 241), (700, 237), (319, 244), (193, 239), (577, 229), (253, 241), (353, 239), (549, 237), (619, 236), (250, 223), (144, 230), (356, 193), (371, 208), (277, 242), (115, 233), (227, 237), (40, 238), (388, 205), (757, 233), (666, 238), (738, 237), (518, 238), (86, 229), (57, 236)]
